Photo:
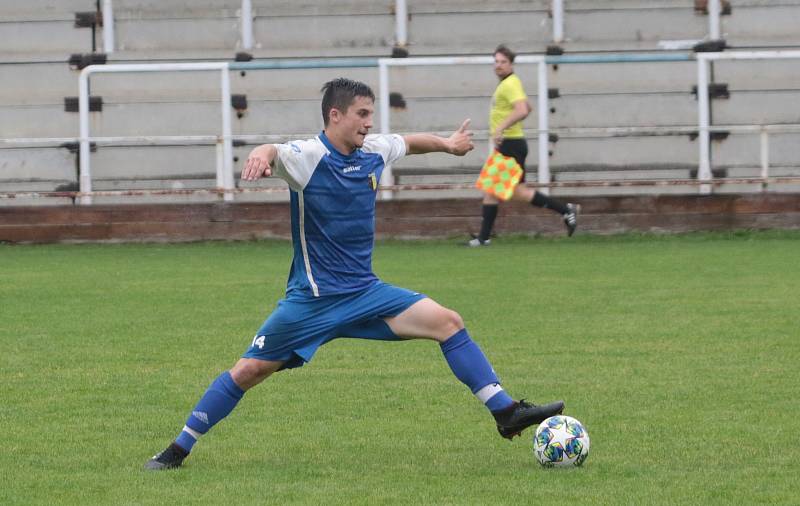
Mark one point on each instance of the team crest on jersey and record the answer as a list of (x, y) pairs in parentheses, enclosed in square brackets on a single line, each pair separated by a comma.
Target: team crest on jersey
[(373, 181)]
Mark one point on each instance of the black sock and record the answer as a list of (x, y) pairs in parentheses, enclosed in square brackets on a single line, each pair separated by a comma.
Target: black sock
[(489, 214), (541, 200)]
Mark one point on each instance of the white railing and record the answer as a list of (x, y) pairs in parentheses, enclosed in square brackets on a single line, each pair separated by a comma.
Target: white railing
[(108, 26), (703, 108), (401, 23), (385, 110), (543, 107), (714, 11), (224, 172), (557, 11), (246, 24), (246, 15), (225, 177)]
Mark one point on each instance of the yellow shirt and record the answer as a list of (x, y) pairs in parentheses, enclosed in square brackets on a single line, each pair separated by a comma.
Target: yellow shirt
[(508, 91)]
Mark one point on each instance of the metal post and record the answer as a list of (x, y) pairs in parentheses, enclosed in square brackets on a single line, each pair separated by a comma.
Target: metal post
[(704, 167), (387, 179), (383, 95), (220, 157), (227, 141), (544, 138), (85, 176), (401, 22), (713, 19), (247, 24), (108, 27), (558, 20), (764, 158)]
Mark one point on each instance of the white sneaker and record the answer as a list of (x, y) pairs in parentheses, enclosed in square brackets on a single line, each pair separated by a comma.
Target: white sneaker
[(476, 243)]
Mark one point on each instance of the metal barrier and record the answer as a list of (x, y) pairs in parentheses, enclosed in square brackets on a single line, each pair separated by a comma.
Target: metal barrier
[(401, 22), (541, 95), (703, 118), (225, 178), (246, 24), (224, 173)]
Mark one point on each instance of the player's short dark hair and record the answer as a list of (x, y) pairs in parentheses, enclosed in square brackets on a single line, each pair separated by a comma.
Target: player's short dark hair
[(505, 51), (340, 93)]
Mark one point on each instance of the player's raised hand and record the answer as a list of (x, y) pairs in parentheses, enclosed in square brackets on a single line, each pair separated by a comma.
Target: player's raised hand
[(460, 142), (259, 162)]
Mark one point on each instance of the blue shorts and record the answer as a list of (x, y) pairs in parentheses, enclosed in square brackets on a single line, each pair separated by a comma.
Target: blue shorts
[(300, 325)]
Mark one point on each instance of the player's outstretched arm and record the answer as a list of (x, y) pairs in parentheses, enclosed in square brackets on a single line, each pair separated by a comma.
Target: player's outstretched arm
[(259, 162), (459, 143)]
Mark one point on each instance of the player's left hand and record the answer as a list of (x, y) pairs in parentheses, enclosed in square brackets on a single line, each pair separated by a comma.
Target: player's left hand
[(259, 163), (460, 142)]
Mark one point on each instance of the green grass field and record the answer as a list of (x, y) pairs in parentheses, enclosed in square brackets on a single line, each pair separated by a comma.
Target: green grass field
[(679, 353)]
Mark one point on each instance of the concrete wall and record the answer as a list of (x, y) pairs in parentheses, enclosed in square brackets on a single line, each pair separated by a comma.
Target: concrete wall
[(401, 218)]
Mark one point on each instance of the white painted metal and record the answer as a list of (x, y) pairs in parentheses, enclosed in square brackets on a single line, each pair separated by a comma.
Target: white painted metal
[(544, 133), (749, 55), (383, 92), (387, 178), (713, 19), (108, 27), (703, 120), (247, 24), (85, 170), (703, 115), (220, 154), (401, 22), (227, 140), (558, 20), (85, 177), (764, 158), (225, 168)]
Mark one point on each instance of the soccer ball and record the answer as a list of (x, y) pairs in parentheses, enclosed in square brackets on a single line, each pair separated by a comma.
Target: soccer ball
[(561, 441)]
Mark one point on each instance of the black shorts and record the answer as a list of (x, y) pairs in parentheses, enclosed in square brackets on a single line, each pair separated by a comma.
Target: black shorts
[(516, 149)]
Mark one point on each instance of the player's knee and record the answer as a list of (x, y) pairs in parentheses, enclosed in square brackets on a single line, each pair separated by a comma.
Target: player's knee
[(451, 322), (249, 372)]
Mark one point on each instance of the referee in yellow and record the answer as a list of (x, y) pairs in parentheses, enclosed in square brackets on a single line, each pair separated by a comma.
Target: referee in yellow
[(510, 106)]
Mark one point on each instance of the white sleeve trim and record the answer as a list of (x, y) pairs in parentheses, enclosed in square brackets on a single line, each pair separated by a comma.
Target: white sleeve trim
[(391, 147), (297, 160)]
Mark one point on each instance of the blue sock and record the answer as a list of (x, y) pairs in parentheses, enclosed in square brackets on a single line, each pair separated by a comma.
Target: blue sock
[(470, 365), (219, 400)]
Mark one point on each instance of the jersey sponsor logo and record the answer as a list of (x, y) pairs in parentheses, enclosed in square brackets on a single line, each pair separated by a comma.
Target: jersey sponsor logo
[(351, 168)]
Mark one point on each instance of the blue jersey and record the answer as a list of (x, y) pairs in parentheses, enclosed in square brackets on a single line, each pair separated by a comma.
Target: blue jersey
[(333, 211)]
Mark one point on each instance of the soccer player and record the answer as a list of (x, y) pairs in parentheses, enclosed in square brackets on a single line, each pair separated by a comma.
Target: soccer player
[(510, 107), (332, 291)]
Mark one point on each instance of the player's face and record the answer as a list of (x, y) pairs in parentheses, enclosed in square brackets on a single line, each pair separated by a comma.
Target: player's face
[(502, 66), (353, 126)]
